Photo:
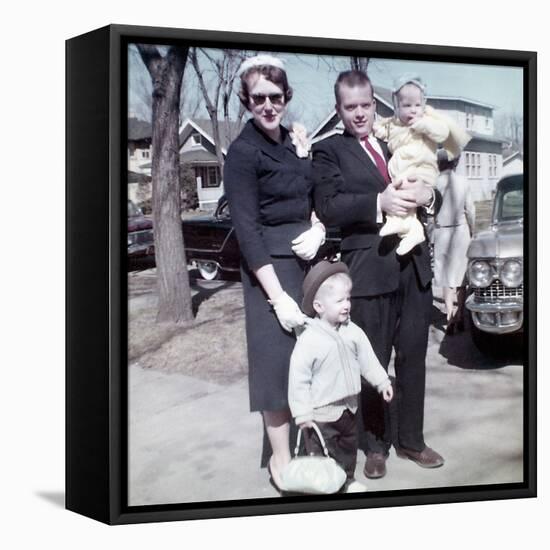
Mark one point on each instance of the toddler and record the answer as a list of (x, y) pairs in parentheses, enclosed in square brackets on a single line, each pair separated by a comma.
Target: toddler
[(413, 135), (326, 366)]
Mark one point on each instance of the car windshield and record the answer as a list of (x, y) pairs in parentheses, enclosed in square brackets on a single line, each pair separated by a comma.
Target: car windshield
[(133, 210), (509, 201)]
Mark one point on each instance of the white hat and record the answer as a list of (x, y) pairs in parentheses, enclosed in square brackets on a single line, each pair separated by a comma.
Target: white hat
[(408, 79), (403, 80), (258, 61)]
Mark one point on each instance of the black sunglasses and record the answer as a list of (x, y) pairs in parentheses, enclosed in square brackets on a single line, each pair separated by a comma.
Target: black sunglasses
[(275, 99)]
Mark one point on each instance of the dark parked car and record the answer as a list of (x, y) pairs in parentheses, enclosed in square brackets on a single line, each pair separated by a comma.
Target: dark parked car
[(141, 246), (211, 244), (495, 269)]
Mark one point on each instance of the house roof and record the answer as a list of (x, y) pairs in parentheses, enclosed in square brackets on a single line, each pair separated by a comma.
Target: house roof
[(139, 129), (485, 137), (513, 156), (331, 124), (461, 99), (136, 177), (228, 130), (382, 95), (198, 156)]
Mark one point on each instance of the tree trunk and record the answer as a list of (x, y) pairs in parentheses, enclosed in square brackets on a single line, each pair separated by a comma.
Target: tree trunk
[(172, 276), (359, 63)]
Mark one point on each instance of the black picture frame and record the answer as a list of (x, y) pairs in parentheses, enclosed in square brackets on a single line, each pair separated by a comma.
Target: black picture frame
[(96, 292)]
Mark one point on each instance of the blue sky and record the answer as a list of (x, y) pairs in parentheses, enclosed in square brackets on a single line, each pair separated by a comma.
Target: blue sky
[(312, 79)]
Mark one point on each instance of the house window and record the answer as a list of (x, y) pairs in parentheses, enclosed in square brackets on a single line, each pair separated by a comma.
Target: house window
[(145, 154), (196, 139), (487, 122), (469, 117), (473, 165), (493, 166), (213, 176), (209, 175)]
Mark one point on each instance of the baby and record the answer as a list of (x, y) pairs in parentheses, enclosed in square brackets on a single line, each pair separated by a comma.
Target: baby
[(413, 135), (326, 366)]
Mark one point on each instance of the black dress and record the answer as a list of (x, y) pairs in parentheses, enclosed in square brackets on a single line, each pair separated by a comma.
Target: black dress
[(269, 192)]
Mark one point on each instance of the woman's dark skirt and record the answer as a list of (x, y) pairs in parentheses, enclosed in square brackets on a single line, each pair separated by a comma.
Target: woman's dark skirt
[(269, 346)]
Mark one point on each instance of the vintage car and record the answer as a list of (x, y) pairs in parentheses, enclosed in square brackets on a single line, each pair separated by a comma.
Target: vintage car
[(212, 247), (141, 246), (495, 269)]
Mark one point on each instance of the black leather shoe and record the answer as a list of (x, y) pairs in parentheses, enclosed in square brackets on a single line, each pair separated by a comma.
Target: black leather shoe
[(427, 458), (375, 466)]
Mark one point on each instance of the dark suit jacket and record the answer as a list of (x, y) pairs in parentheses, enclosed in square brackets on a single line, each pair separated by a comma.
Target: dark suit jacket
[(346, 186), (269, 192)]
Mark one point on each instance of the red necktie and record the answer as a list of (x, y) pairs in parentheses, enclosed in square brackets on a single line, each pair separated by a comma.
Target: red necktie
[(380, 164)]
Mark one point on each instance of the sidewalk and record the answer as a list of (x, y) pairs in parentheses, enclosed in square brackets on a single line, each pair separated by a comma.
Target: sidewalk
[(192, 440)]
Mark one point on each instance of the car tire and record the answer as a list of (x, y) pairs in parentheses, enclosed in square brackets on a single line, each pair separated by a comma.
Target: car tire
[(484, 342), (208, 270)]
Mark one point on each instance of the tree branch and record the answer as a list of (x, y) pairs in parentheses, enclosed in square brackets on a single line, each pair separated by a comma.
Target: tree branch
[(194, 61), (151, 58)]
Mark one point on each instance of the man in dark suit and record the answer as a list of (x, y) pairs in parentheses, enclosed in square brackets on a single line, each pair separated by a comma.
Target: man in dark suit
[(391, 296)]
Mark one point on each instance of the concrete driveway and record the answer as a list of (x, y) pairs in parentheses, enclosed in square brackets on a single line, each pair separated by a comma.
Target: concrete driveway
[(192, 441)]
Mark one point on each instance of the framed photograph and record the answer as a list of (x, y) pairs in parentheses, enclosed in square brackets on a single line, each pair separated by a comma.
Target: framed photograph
[(215, 181)]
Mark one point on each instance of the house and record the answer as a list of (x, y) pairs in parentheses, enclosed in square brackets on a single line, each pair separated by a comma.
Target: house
[(197, 150), (513, 164), (139, 160), (333, 125), (481, 162)]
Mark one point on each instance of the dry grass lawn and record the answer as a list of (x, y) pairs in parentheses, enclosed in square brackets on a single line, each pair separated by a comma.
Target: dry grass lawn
[(213, 347)]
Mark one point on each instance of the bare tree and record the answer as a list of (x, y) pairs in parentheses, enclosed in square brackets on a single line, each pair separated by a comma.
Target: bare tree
[(172, 276), (359, 63), (510, 126), (224, 64), (140, 86)]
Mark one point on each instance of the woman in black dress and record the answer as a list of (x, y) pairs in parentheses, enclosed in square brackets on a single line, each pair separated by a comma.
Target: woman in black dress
[(266, 179)]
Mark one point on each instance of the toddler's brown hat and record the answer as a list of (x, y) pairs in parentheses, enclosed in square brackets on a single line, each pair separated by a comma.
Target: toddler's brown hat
[(317, 275)]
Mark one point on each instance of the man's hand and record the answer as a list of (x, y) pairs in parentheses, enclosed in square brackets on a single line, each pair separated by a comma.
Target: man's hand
[(397, 202), (416, 188)]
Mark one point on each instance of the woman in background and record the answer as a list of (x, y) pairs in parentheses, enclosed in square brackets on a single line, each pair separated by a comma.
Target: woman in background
[(452, 233)]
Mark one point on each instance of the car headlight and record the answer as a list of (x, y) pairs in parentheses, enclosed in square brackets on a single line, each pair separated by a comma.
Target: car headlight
[(480, 273), (131, 239), (511, 273)]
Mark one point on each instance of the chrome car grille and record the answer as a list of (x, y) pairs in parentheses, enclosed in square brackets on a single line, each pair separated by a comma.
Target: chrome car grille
[(497, 291)]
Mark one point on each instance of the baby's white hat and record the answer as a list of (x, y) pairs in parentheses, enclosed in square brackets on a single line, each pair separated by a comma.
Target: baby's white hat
[(407, 78), (260, 60)]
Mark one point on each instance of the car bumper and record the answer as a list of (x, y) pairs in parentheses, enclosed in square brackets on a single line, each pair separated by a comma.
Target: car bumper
[(140, 250), (496, 318)]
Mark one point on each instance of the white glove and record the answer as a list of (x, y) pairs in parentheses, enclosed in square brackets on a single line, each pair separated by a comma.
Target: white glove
[(307, 244), (288, 313)]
